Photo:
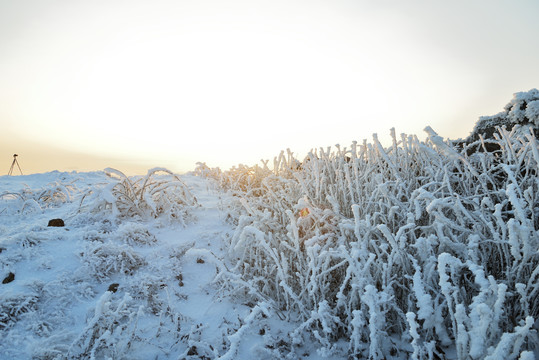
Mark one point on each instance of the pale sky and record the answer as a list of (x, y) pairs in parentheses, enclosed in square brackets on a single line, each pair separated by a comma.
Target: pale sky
[(135, 84)]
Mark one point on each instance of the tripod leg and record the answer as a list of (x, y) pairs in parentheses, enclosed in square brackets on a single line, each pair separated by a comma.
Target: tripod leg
[(18, 166), (11, 168)]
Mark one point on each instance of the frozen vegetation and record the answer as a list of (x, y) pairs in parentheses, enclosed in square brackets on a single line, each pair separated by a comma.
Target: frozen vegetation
[(418, 250)]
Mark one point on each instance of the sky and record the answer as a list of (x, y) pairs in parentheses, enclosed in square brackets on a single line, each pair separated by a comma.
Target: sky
[(86, 85)]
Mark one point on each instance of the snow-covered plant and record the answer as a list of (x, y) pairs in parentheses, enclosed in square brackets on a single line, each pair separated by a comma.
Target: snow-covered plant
[(110, 330), (522, 110), (423, 241), (524, 107), (11, 203), (135, 234), (204, 170), (150, 196), (234, 339), (28, 200), (30, 206), (56, 194), (102, 260), (14, 304), (243, 178)]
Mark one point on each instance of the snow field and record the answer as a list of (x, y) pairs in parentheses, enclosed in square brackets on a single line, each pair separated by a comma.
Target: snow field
[(122, 282)]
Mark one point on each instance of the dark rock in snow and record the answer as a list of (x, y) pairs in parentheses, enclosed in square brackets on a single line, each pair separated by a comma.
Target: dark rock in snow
[(56, 222), (113, 287), (180, 279), (192, 351), (9, 278)]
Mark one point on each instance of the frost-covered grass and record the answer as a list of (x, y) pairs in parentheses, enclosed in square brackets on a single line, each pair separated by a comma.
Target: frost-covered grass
[(150, 196), (416, 250), (27, 200), (110, 284)]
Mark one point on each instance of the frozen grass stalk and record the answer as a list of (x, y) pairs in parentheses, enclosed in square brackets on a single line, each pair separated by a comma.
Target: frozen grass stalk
[(423, 228)]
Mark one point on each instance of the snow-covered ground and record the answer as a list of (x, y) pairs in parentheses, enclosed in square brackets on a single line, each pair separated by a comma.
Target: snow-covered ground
[(131, 289)]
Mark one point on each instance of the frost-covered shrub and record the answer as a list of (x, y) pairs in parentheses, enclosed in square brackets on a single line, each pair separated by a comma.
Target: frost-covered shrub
[(24, 245), (101, 260), (110, 330), (150, 292), (522, 110), (523, 107), (56, 194), (93, 235), (241, 178), (30, 206), (13, 305), (11, 203), (27, 201), (150, 196), (135, 234), (419, 241), (204, 170)]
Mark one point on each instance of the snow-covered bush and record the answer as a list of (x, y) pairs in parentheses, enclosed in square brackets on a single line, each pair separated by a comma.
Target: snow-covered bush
[(15, 304), (523, 107), (56, 193), (102, 260), (243, 177), (204, 170), (29, 200), (150, 196), (522, 110), (110, 330), (11, 203), (135, 234), (419, 241)]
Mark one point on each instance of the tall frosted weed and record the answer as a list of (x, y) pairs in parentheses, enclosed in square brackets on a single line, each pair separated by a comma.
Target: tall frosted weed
[(143, 197), (428, 243)]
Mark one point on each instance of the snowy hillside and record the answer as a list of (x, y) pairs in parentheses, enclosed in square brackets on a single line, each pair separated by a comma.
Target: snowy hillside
[(421, 250), (163, 303)]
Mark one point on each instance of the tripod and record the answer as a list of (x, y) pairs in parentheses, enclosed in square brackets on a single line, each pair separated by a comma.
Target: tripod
[(13, 165)]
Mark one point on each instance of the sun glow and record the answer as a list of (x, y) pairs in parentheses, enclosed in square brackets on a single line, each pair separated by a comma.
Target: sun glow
[(233, 84), (176, 82)]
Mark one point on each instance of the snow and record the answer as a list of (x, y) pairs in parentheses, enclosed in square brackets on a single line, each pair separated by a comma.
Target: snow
[(167, 304), (532, 111)]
